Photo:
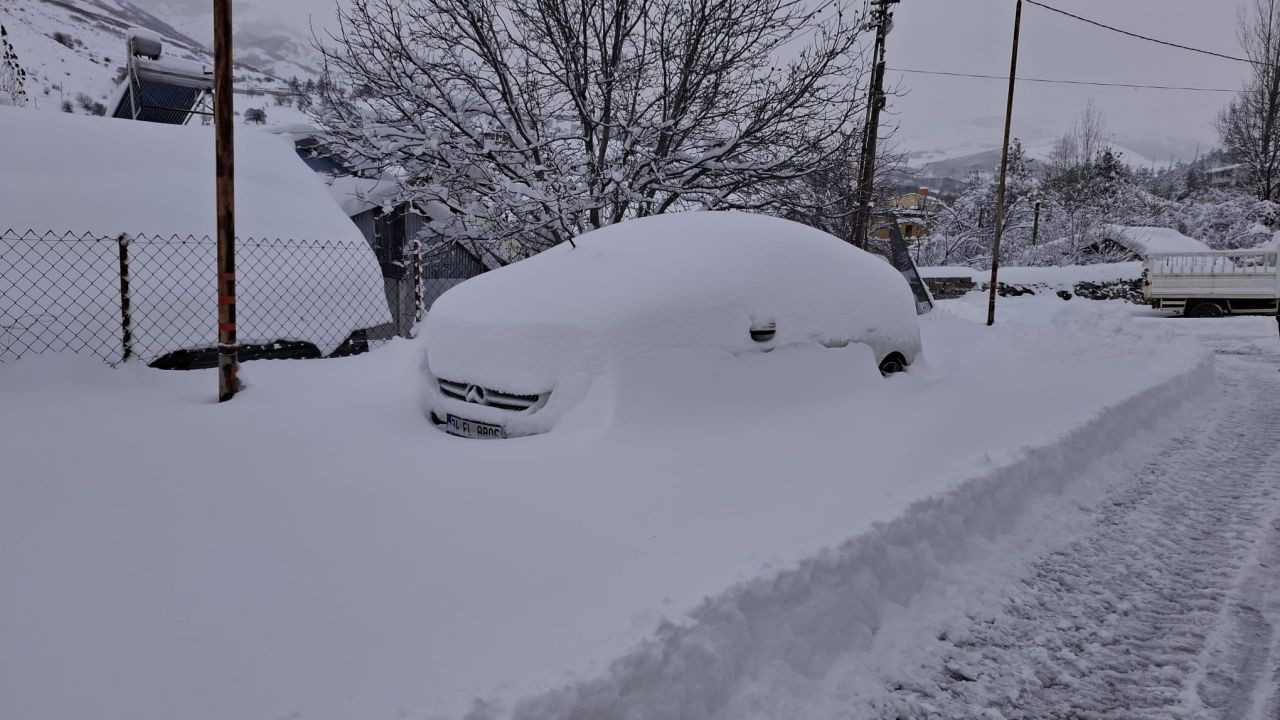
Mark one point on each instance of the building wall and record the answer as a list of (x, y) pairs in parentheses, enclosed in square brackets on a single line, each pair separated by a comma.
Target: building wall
[(451, 263)]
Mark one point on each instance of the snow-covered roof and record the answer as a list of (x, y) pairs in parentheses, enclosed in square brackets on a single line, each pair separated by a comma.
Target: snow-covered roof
[(81, 173), (297, 129), (1145, 240), (360, 194)]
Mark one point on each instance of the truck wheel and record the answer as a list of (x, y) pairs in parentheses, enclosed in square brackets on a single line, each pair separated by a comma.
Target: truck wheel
[(1204, 309)]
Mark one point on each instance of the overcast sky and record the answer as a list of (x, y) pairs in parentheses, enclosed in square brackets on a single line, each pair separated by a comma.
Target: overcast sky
[(974, 35)]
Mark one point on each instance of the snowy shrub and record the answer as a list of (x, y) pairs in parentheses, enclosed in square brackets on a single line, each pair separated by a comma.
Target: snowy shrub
[(1222, 219)]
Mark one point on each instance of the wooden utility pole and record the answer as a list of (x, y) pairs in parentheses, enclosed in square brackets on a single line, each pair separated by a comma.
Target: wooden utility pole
[(1035, 226), (870, 134), (1004, 170), (223, 112)]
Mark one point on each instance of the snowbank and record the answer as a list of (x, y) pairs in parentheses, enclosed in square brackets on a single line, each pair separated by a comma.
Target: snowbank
[(304, 272), (350, 561)]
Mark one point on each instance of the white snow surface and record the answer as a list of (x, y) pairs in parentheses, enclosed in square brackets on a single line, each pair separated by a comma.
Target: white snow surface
[(305, 272), (696, 280), (1146, 241), (314, 549)]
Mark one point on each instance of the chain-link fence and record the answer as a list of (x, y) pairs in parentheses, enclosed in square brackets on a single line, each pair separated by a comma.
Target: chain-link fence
[(154, 298)]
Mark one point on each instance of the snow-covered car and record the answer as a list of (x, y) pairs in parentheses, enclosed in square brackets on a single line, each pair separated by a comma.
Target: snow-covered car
[(512, 351)]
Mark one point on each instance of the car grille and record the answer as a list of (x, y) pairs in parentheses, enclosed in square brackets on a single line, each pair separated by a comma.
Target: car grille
[(478, 395)]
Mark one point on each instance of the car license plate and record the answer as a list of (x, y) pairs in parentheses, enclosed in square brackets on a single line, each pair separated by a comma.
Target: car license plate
[(463, 427)]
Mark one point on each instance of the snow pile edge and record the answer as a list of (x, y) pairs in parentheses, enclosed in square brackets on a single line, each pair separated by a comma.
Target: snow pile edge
[(803, 618)]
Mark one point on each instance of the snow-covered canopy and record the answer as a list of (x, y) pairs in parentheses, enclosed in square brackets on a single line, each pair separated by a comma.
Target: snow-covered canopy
[(1144, 240), (80, 173), (77, 179)]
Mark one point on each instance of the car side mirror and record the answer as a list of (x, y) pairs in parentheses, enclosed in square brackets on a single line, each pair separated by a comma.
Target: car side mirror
[(763, 331)]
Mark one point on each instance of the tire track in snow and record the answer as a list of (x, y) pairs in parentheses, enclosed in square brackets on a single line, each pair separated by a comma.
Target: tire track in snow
[(1165, 609)]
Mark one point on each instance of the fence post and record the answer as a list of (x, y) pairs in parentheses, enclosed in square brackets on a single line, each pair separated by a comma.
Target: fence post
[(126, 314), (416, 249)]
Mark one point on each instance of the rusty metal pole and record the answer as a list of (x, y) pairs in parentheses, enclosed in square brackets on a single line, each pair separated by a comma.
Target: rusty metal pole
[(223, 111), (1004, 169)]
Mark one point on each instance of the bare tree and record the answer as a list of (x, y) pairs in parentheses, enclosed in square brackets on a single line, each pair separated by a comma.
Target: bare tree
[(530, 121), (1249, 127), (1080, 145)]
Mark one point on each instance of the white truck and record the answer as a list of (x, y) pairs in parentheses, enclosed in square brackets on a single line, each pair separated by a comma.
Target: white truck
[(1213, 284)]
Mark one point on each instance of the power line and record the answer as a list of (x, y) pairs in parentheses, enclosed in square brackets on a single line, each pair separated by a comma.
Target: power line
[(1063, 82), (1148, 38)]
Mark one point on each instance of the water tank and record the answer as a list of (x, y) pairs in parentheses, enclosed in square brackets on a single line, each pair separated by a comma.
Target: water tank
[(147, 46)]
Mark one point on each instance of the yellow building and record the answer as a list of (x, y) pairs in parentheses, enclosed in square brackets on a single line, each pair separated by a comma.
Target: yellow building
[(915, 212)]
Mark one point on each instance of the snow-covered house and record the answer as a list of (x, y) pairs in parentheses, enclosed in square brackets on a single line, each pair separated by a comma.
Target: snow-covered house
[(1136, 242), (71, 184), (915, 213), (1227, 176)]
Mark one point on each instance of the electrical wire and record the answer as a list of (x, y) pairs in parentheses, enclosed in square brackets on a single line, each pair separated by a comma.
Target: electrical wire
[(1147, 38), (1061, 82)]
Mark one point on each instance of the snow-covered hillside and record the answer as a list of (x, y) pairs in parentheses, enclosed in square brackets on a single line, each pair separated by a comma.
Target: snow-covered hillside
[(74, 50), (966, 146)]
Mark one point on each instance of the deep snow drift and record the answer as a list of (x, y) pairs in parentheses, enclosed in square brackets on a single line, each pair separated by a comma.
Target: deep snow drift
[(315, 549)]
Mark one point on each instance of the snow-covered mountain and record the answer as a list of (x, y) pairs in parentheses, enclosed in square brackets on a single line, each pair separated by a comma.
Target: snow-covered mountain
[(963, 147), (74, 50)]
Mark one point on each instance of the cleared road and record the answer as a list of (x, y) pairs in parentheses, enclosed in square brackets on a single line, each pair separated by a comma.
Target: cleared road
[(1165, 604)]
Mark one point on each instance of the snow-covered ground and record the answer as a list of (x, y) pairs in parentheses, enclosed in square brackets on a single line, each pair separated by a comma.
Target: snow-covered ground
[(780, 536)]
